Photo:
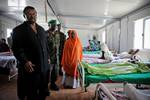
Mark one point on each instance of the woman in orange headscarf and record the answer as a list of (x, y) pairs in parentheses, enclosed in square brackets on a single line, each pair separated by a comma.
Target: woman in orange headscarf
[(72, 54)]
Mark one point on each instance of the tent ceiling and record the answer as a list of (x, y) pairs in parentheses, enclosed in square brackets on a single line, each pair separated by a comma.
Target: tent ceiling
[(93, 14), (82, 14)]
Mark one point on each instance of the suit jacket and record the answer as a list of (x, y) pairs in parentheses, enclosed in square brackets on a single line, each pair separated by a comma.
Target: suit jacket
[(30, 46)]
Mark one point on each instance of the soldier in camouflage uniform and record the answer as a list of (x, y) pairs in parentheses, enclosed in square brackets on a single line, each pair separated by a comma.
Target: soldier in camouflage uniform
[(53, 48), (61, 38)]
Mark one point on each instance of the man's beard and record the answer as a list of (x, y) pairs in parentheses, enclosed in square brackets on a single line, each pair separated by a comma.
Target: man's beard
[(31, 21), (53, 29)]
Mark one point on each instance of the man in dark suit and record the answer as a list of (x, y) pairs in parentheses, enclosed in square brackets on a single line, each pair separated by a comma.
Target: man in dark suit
[(30, 49)]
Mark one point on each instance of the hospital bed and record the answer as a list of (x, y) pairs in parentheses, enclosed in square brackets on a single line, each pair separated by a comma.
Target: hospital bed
[(121, 91), (8, 65), (93, 57), (141, 75)]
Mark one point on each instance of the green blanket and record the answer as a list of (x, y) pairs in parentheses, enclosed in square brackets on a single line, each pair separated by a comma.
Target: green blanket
[(91, 52), (115, 69)]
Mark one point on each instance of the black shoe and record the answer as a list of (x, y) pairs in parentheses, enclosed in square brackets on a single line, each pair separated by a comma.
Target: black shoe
[(54, 87)]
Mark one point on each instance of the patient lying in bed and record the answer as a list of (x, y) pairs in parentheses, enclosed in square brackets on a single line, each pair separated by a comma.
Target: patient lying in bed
[(128, 54)]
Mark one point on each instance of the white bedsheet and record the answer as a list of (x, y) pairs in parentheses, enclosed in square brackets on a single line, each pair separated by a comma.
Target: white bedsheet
[(8, 61)]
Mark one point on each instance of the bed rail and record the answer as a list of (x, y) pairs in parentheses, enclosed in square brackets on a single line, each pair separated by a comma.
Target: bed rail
[(81, 76)]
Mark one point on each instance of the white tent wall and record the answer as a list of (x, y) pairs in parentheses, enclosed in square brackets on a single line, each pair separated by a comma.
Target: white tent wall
[(85, 35), (124, 35), (120, 35), (127, 28), (6, 23), (101, 35), (112, 35), (109, 35)]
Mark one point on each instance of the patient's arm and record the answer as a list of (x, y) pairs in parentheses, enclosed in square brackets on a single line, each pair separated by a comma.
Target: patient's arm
[(135, 52)]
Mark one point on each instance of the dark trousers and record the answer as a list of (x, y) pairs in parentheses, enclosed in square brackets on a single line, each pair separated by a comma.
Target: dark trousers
[(60, 66), (32, 86), (54, 73)]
